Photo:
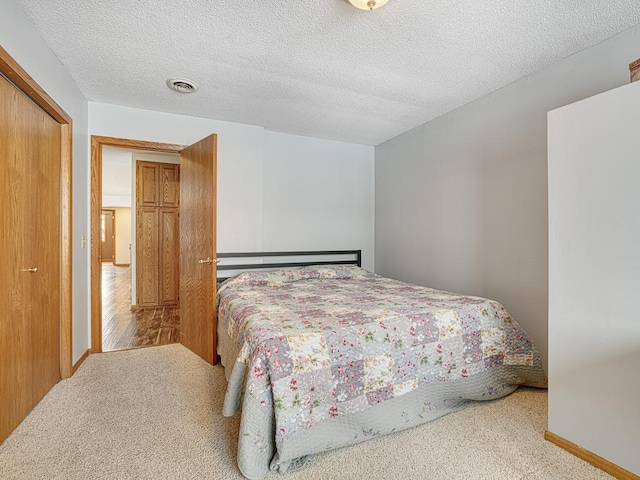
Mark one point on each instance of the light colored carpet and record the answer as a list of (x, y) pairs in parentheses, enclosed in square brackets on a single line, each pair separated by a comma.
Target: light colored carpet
[(155, 413)]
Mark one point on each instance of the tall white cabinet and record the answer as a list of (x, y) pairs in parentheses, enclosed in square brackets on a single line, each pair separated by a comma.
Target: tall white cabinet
[(594, 275)]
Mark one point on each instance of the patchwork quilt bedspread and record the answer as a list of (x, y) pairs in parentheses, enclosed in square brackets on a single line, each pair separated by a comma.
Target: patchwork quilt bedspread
[(322, 344)]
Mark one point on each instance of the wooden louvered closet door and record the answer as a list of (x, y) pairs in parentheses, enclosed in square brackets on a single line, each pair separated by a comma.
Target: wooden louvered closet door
[(30, 155), (157, 233)]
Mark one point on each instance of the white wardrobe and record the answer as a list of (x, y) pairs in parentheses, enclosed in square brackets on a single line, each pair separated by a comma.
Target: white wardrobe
[(594, 275)]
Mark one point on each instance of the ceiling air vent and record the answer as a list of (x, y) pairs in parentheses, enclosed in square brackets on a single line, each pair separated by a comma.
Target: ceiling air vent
[(182, 85)]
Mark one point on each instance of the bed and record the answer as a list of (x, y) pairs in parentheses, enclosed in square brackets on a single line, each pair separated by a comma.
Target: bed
[(327, 354)]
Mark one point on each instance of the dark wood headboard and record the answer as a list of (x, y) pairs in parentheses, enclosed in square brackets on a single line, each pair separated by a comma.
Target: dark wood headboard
[(233, 263)]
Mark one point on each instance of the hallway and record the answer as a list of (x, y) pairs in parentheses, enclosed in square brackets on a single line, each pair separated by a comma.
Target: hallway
[(122, 328)]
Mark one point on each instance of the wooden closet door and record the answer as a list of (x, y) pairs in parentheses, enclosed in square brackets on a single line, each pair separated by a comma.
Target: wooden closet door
[(157, 233), (169, 234), (147, 176), (30, 242), (170, 185), (147, 246)]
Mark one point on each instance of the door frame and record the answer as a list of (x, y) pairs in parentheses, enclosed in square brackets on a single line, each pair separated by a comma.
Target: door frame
[(113, 230), (21, 79), (97, 142)]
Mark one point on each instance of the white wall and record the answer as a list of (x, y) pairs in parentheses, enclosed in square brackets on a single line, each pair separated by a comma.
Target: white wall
[(318, 195), (240, 154), (19, 37), (594, 275), (461, 201), (275, 191), (116, 201), (116, 177)]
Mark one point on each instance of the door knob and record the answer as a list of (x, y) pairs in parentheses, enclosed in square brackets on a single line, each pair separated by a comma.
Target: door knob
[(209, 261), (30, 270)]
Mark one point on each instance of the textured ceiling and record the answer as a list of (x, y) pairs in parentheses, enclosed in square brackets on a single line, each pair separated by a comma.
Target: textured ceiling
[(317, 68)]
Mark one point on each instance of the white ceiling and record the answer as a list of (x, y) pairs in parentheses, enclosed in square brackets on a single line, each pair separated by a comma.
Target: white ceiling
[(317, 68)]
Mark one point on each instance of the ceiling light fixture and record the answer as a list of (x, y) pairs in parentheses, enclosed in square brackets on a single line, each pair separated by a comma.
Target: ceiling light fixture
[(367, 4), (182, 85)]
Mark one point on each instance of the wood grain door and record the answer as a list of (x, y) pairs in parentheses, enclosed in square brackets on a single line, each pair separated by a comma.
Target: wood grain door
[(157, 234), (169, 271), (198, 248), (147, 253), (30, 155), (147, 176), (107, 220)]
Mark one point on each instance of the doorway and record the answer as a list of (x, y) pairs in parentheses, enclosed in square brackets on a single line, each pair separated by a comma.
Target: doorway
[(197, 234), (108, 235), (139, 228)]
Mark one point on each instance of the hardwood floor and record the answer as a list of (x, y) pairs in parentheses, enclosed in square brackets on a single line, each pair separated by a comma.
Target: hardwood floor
[(122, 328)]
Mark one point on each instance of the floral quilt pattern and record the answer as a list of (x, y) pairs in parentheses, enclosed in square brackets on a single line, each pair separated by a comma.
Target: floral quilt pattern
[(323, 342)]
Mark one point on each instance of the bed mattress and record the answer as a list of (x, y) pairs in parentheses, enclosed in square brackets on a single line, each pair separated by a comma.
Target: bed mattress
[(319, 358)]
